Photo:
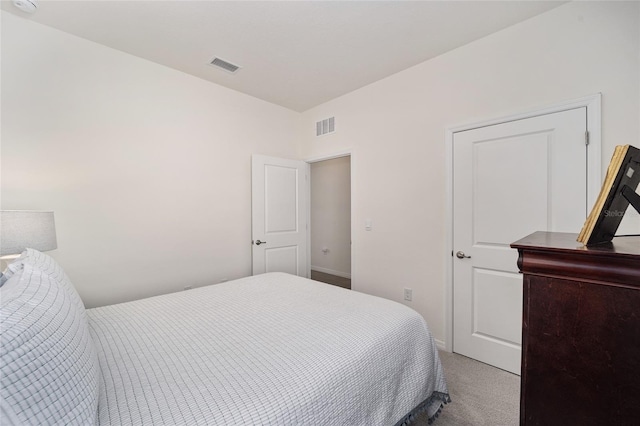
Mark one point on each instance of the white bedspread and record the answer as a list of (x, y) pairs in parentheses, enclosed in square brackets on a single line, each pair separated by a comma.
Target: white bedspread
[(272, 349)]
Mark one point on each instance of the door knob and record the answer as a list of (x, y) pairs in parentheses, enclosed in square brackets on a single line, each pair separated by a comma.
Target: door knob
[(461, 255), (260, 242)]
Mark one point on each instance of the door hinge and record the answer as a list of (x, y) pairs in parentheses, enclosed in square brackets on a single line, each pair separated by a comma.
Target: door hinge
[(586, 137)]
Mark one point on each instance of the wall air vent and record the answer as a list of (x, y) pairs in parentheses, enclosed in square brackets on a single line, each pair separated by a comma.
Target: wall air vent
[(222, 64), (328, 125)]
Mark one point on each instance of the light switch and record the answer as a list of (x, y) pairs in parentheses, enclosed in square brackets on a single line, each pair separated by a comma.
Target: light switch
[(368, 225)]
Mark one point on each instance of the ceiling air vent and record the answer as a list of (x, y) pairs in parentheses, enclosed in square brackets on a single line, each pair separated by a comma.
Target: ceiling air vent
[(227, 66), (328, 125)]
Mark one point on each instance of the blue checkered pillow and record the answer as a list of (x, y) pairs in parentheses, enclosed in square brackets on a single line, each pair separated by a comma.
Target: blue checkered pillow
[(49, 369)]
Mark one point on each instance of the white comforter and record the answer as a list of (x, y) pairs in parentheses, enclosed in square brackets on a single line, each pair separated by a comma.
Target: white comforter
[(272, 349)]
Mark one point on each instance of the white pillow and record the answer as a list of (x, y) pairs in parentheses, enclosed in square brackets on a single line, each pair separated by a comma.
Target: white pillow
[(49, 369), (48, 266)]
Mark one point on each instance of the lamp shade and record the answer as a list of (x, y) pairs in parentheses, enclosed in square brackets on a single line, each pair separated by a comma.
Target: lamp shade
[(21, 229)]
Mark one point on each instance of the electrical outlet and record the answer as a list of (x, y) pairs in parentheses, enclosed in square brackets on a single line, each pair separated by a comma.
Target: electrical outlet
[(408, 294), (188, 287)]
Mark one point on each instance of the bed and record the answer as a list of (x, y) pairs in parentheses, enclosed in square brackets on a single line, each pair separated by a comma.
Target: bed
[(272, 349)]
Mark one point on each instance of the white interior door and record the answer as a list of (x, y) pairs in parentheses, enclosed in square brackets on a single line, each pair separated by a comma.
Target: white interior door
[(279, 215), (509, 180)]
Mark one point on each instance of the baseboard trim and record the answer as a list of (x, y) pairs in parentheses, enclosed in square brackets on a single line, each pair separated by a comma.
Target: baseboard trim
[(440, 345), (331, 271)]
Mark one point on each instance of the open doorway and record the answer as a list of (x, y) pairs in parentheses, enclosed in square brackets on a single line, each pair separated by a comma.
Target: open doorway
[(330, 215)]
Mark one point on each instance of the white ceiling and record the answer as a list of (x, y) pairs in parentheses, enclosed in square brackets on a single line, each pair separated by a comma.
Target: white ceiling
[(297, 54)]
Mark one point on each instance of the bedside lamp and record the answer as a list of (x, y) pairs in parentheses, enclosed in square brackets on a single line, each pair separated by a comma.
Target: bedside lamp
[(21, 229)]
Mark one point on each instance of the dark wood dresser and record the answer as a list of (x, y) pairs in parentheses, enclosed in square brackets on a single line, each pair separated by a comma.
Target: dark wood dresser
[(580, 331)]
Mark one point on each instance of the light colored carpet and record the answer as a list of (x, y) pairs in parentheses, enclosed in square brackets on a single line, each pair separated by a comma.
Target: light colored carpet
[(480, 395)]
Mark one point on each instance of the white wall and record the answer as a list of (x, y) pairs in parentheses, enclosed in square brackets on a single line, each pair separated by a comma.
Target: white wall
[(147, 169), (396, 131), (331, 216)]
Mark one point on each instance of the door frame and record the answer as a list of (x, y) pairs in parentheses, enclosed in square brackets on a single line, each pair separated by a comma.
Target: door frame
[(309, 161), (593, 104)]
